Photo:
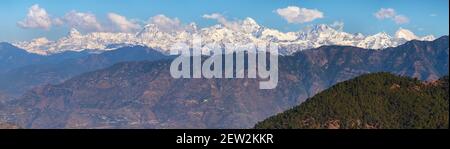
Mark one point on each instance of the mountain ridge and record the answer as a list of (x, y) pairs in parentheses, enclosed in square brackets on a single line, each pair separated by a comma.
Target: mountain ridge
[(144, 95), (58, 67), (251, 32), (17, 80)]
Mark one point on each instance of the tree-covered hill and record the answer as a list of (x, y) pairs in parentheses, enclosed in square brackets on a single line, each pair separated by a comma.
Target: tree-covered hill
[(379, 100)]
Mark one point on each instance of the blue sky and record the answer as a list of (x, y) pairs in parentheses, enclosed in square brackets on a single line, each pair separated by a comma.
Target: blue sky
[(423, 17)]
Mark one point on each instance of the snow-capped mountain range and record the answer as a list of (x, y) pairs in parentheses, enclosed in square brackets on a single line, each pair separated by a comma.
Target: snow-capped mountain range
[(250, 31)]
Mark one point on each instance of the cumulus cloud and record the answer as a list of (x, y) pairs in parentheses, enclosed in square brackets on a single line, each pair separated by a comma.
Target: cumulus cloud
[(234, 25), (122, 23), (165, 23), (294, 14), (385, 13), (401, 19), (37, 17), (389, 13), (81, 20), (58, 21), (215, 16)]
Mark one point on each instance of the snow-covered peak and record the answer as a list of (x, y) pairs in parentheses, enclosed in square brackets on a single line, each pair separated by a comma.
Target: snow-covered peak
[(74, 33), (409, 35), (275, 35), (319, 31), (192, 27), (250, 23), (405, 34), (250, 26), (380, 40), (359, 36), (381, 35), (428, 38), (249, 31), (148, 29), (321, 28), (35, 45), (41, 40)]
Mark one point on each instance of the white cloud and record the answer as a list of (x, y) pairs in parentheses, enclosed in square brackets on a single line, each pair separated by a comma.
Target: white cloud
[(216, 16), (294, 14), (165, 23), (390, 13), (433, 15), (385, 13), (234, 25), (58, 21), (37, 17), (84, 21), (401, 19), (122, 23)]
